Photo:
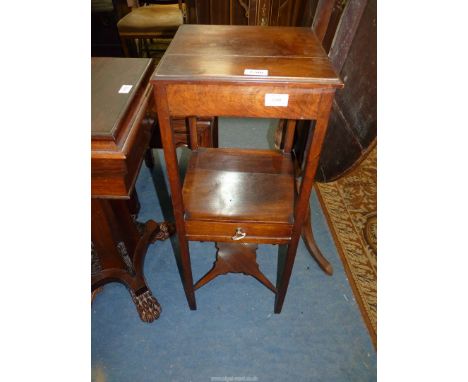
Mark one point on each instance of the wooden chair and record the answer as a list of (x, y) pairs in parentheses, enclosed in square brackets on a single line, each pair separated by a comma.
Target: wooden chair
[(157, 22)]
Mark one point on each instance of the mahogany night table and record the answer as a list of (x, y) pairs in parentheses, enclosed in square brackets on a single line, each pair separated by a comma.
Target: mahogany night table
[(120, 131), (240, 198)]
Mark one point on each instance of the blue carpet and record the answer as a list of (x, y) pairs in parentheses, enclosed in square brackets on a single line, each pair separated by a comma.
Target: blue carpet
[(319, 336)]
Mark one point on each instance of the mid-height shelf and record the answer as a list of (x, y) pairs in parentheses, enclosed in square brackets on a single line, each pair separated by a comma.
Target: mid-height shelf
[(226, 189)]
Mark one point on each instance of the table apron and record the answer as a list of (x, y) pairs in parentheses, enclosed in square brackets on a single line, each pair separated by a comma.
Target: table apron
[(241, 101)]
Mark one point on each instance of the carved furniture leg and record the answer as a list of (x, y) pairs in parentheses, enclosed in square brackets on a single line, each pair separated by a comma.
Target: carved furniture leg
[(236, 258), (147, 306), (118, 251)]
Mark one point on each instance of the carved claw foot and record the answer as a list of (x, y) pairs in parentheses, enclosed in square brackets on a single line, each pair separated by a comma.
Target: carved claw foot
[(163, 232), (147, 306)]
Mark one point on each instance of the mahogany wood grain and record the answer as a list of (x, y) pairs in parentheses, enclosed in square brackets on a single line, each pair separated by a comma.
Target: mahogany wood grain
[(224, 191), (229, 184), (288, 53), (120, 132), (103, 235), (237, 100), (121, 124), (235, 258), (222, 231), (243, 12), (167, 137), (281, 69), (234, 194), (302, 203), (119, 251)]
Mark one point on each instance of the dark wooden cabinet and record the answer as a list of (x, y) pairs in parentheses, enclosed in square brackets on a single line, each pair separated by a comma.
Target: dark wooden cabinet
[(247, 12), (121, 126)]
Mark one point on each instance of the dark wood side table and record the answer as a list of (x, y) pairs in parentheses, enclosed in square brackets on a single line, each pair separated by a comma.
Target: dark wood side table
[(120, 131), (234, 197)]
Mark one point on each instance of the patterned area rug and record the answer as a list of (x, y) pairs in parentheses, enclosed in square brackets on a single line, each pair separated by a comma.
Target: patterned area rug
[(350, 205)]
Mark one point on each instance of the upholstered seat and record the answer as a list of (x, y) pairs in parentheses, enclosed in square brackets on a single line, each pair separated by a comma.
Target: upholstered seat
[(152, 19), (155, 23)]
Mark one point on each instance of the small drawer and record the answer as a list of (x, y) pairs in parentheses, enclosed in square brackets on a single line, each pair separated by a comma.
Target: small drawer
[(242, 232)]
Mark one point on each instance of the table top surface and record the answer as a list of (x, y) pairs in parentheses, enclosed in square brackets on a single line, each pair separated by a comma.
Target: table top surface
[(246, 54), (110, 101)]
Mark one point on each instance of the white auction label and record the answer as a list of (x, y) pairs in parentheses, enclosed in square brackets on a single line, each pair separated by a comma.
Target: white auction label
[(256, 72), (272, 99), (124, 89)]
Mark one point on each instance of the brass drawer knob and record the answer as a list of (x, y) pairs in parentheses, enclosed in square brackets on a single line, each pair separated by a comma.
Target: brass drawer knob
[(239, 234)]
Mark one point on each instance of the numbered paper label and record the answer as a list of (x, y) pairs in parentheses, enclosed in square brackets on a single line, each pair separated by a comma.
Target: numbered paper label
[(256, 72), (124, 89), (276, 99)]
